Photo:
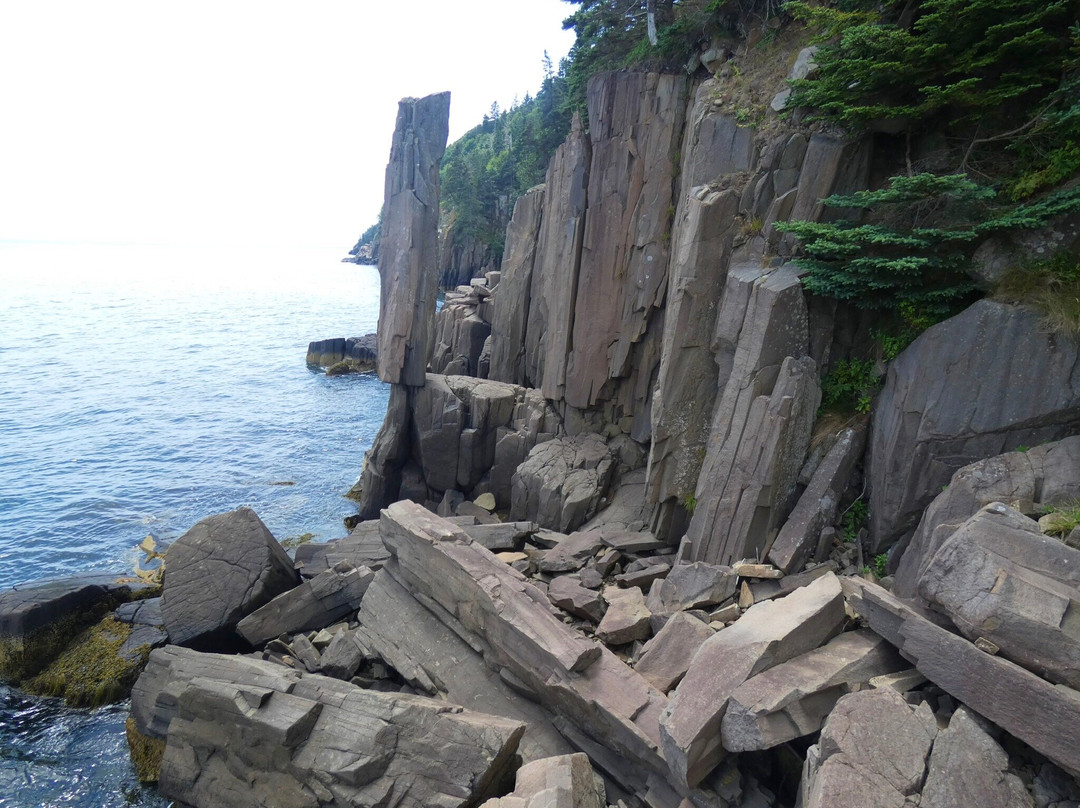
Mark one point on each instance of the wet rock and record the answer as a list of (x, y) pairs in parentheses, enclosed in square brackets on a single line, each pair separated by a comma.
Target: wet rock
[(626, 618), (314, 604), (408, 254), (220, 571), (560, 484), (666, 657), (767, 634), (1000, 580), (794, 697), (972, 401), (145, 612), (567, 781)]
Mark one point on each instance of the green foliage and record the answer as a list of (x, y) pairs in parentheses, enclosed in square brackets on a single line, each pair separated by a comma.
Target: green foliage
[(881, 565), (689, 503), (1052, 286), (855, 519), (849, 386), (1064, 519)]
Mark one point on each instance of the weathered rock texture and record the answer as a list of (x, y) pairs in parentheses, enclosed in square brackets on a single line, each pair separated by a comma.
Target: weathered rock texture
[(329, 352), (561, 782), (560, 484), (408, 253), (956, 396), (247, 733), (220, 571), (1044, 476)]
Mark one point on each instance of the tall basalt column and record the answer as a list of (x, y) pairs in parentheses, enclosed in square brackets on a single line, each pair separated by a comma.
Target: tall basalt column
[(409, 252)]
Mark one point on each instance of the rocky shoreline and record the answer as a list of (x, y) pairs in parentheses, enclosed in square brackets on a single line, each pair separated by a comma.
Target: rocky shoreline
[(608, 553)]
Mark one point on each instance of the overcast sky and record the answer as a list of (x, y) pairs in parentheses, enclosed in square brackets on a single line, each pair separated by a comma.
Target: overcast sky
[(237, 121)]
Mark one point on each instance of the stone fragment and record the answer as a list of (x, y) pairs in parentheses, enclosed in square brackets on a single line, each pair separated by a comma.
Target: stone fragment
[(970, 402), (666, 657), (560, 782), (643, 577), (632, 541), (500, 536), (342, 657), (314, 604), (793, 698), (626, 618), (1037, 712), (748, 569), (571, 553), (746, 596), (873, 751), (221, 570), (408, 254), (691, 586), (254, 736), (307, 654), (767, 634), (568, 594), (1000, 580), (901, 681), (726, 614), (485, 501), (363, 547), (817, 506), (560, 484), (777, 588), (145, 612), (968, 767)]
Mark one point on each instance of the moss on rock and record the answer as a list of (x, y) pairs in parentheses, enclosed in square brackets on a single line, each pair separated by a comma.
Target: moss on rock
[(146, 752), (90, 671)]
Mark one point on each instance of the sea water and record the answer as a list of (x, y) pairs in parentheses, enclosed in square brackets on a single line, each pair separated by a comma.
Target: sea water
[(142, 389)]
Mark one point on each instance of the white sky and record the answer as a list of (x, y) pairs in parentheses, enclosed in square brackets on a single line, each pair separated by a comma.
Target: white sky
[(237, 121)]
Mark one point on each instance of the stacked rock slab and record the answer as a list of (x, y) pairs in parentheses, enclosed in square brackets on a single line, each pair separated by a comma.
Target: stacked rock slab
[(220, 571), (761, 427), (954, 397), (244, 732), (561, 782), (408, 252)]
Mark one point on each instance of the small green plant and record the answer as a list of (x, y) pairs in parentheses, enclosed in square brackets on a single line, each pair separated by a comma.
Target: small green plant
[(855, 518), (1051, 286), (1021, 448), (881, 565), (689, 503), (850, 386), (1065, 519)]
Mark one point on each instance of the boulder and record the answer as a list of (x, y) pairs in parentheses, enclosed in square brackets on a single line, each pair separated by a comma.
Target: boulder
[(666, 657), (793, 698), (626, 618), (970, 401), (817, 506), (568, 594), (873, 752), (692, 586), (221, 570), (343, 657), (567, 782), (561, 482), (316, 603), (1043, 476), (571, 553), (767, 634), (253, 738), (1037, 712), (408, 252), (1000, 579)]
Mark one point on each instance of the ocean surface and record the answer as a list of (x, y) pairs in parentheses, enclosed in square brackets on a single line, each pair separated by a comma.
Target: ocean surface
[(142, 389)]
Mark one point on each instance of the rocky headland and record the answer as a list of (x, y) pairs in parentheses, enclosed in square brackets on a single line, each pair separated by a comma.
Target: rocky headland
[(609, 552)]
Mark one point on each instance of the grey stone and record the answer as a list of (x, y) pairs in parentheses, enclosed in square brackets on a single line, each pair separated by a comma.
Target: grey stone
[(571, 553), (561, 782), (560, 484), (568, 594), (767, 634), (643, 577), (26, 608), (625, 541), (999, 579), (408, 253), (363, 547), (817, 506), (316, 603), (690, 586), (793, 698), (626, 618), (221, 570), (145, 612), (306, 653), (502, 535), (968, 767), (666, 657), (972, 402), (342, 657), (1037, 712)]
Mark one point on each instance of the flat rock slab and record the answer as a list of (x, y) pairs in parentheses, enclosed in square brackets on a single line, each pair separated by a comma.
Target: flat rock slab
[(221, 570), (666, 657), (567, 781), (314, 604), (501, 536), (767, 634), (793, 698), (1037, 712), (240, 741), (27, 607), (363, 547), (626, 618), (632, 542), (145, 612)]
